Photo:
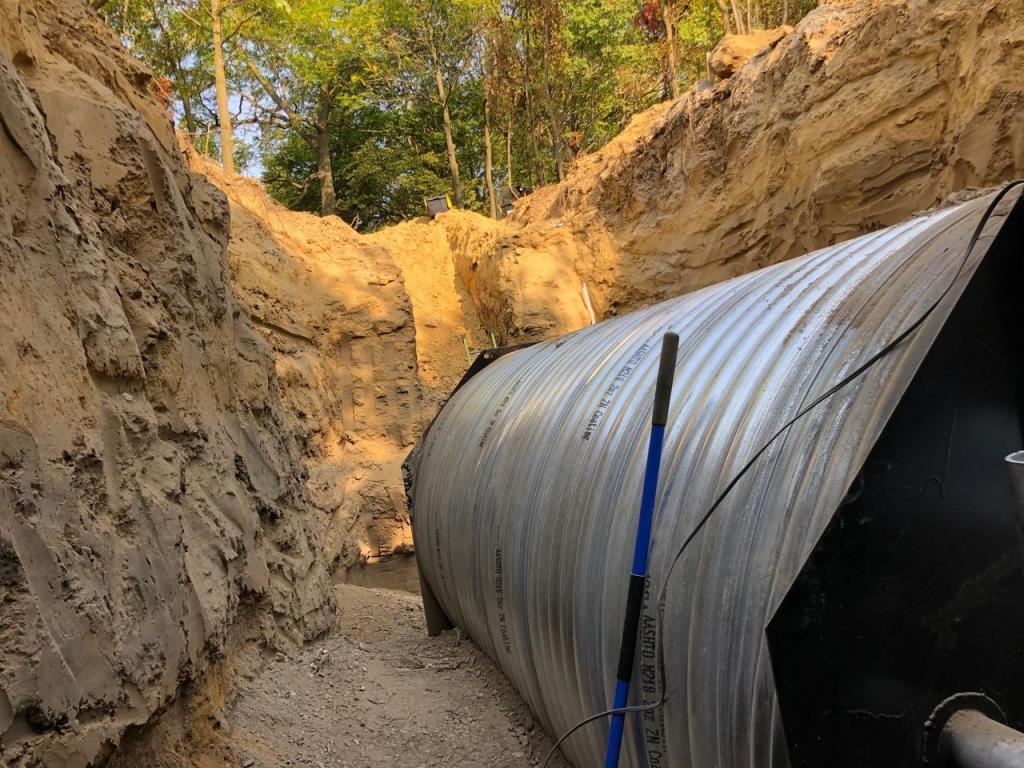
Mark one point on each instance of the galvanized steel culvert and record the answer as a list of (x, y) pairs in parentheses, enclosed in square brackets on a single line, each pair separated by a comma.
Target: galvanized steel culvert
[(863, 521)]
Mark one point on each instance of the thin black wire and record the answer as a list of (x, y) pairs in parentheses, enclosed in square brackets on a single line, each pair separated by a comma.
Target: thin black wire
[(851, 377), (598, 716)]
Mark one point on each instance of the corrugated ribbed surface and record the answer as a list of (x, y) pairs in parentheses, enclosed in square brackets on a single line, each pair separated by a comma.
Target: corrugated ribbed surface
[(528, 484)]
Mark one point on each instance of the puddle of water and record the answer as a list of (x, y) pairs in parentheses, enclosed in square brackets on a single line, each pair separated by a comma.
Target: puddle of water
[(394, 572)]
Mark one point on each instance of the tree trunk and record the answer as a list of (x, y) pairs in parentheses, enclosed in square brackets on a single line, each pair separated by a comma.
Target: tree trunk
[(508, 154), (190, 119), (227, 143), (549, 102), (538, 170), (738, 18), (668, 17), (492, 200), (186, 104), (324, 167), (724, 10), (449, 140), (785, 12)]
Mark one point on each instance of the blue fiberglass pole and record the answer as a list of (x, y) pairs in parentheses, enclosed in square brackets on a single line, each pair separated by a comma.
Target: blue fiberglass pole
[(638, 574)]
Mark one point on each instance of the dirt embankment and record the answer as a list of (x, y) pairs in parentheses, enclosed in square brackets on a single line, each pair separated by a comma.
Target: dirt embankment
[(870, 111), (335, 310), (441, 306), (151, 503)]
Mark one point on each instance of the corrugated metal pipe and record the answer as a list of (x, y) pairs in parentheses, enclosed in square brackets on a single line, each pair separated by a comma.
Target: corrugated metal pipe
[(833, 461)]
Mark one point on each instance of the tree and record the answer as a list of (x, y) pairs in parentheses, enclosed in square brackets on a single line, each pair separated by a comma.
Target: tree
[(668, 17), (387, 151), (365, 107), (492, 199), (433, 39), (549, 18), (301, 61), (175, 46), (609, 70), (687, 32), (489, 32), (749, 15), (227, 144), (184, 41)]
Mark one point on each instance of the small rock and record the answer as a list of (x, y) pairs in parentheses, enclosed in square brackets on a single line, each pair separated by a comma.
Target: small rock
[(732, 51)]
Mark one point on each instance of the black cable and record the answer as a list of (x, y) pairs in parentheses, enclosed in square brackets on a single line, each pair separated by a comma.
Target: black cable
[(598, 716), (851, 377)]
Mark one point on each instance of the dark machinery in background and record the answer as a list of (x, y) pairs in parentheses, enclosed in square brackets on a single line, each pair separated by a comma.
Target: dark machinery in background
[(857, 598)]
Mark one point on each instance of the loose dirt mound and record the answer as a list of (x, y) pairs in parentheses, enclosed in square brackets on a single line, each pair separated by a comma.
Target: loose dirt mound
[(870, 111), (733, 51)]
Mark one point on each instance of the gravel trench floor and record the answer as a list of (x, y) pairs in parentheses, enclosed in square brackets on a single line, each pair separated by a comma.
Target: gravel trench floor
[(378, 692)]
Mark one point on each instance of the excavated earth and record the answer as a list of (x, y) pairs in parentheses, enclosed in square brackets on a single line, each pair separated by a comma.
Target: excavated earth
[(205, 399), (153, 509)]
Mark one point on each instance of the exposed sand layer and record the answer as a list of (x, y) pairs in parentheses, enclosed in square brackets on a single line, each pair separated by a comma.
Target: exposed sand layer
[(446, 320), (151, 502), (335, 311)]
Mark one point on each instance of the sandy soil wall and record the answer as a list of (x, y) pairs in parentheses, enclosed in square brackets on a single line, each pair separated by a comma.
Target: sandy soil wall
[(151, 493), (334, 308)]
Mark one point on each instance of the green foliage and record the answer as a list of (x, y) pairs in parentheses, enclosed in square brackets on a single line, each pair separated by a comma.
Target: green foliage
[(174, 38), (385, 165), (611, 67), (697, 32), (359, 78)]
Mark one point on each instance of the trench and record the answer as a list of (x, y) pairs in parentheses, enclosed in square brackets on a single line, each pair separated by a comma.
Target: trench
[(374, 691)]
